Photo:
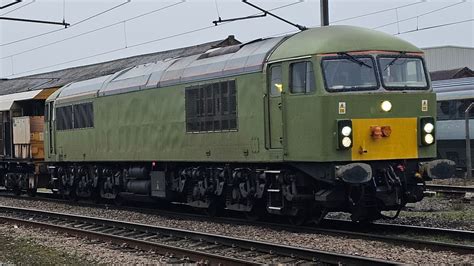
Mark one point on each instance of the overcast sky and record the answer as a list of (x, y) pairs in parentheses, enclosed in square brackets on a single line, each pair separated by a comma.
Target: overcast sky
[(122, 39)]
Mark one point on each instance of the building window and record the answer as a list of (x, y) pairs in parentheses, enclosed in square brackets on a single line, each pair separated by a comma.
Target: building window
[(75, 116), (276, 85), (302, 77), (211, 107)]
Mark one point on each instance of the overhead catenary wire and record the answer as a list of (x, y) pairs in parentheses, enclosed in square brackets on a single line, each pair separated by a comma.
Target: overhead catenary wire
[(420, 15), (377, 12), (101, 13), (53, 31), (217, 9), (15, 9), (436, 26), (93, 30), (351, 18), (141, 44), (114, 24)]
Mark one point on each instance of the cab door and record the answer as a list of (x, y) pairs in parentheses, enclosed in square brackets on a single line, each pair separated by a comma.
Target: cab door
[(50, 129), (275, 108)]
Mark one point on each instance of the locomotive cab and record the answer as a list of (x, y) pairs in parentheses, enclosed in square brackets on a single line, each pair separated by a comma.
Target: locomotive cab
[(361, 117)]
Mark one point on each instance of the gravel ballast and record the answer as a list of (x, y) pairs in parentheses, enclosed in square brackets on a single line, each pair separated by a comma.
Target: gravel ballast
[(80, 251), (376, 249)]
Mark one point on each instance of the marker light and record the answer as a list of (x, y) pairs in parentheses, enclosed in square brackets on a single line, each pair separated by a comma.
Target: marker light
[(344, 134), (346, 131), (346, 142), (429, 139), (428, 128), (279, 86), (386, 106)]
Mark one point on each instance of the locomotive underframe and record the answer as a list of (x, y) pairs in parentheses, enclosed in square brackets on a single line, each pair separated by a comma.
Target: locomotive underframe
[(302, 190)]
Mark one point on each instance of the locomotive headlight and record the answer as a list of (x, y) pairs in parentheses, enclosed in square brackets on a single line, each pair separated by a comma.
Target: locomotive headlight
[(344, 134), (346, 131), (428, 128), (346, 142), (429, 139), (386, 106)]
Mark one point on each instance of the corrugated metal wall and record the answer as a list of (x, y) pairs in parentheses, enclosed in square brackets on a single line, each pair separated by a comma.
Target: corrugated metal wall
[(449, 57)]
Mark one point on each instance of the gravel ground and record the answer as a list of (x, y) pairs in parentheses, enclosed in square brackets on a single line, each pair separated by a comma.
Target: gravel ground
[(375, 249), (450, 213), (454, 213), (88, 251), (452, 182)]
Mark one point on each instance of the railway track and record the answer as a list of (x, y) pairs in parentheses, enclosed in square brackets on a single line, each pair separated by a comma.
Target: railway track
[(450, 189), (460, 241), (194, 246)]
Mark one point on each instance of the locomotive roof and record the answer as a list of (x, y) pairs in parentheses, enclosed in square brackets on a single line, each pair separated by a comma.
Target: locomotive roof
[(332, 39), (238, 59), (213, 63), (62, 77)]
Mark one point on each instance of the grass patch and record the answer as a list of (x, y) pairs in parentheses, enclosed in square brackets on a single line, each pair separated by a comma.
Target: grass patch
[(27, 252)]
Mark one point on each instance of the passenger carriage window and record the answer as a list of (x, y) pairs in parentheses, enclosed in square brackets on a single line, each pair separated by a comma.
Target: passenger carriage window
[(453, 109), (302, 77), (444, 110), (211, 107), (276, 84), (462, 107)]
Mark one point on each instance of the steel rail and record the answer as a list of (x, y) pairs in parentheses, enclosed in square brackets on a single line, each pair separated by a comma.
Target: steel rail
[(392, 233), (450, 189), (137, 234)]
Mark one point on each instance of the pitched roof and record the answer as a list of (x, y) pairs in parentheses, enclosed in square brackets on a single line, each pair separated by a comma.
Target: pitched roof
[(452, 74), (62, 77)]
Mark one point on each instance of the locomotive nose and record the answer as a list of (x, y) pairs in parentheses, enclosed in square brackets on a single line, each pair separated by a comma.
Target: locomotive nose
[(385, 138)]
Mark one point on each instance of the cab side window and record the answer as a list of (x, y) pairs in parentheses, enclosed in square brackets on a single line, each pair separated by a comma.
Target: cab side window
[(302, 77), (276, 85)]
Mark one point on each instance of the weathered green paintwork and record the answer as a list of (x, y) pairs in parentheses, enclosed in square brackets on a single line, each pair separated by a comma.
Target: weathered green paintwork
[(335, 39), (149, 125)]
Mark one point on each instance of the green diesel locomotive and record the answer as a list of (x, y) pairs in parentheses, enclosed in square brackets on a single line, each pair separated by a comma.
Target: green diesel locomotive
[(336, 118)]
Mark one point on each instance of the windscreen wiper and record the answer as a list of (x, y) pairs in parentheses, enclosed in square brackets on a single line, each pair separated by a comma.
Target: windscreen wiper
[(394, 60), (355, 60)]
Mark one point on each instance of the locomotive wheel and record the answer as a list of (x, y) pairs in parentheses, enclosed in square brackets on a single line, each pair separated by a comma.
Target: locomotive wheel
[(213, 210), (317, 216), (17, 191), (118, 201), (31, 192), (299, 219), (255, 214), (252, 216), (72, 196)]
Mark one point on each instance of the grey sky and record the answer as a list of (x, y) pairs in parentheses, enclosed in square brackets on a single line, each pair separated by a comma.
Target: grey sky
[(195, 14)]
